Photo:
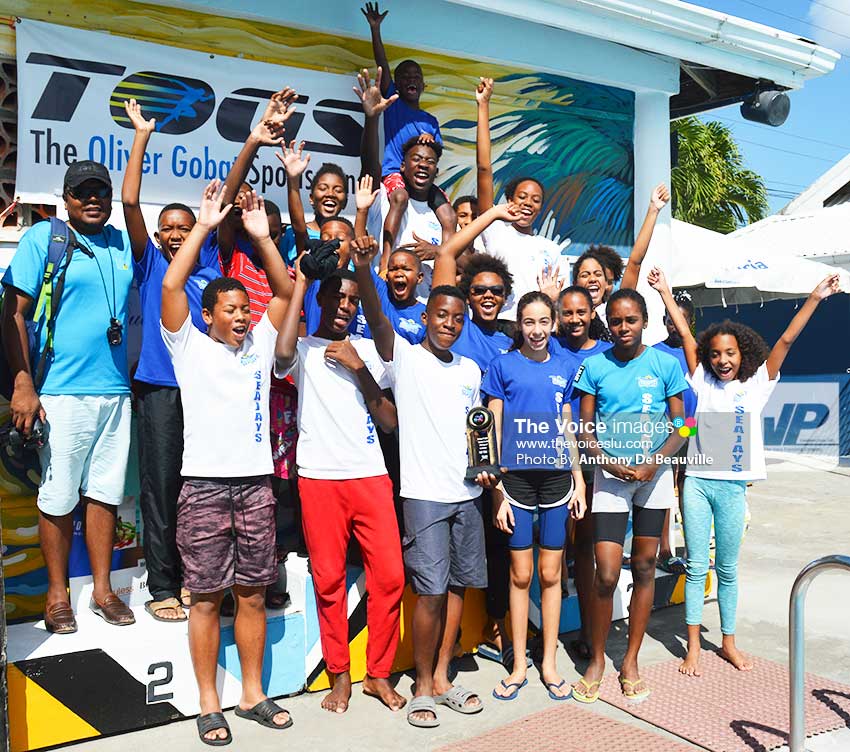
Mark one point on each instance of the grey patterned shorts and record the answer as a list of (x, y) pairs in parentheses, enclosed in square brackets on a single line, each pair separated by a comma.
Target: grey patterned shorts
[(226, 533)]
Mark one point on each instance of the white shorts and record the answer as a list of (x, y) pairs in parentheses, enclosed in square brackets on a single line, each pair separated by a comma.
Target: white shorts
[(611, 494), (88, 440)]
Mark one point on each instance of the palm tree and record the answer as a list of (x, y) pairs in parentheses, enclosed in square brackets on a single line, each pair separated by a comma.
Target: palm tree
[(710, 185)]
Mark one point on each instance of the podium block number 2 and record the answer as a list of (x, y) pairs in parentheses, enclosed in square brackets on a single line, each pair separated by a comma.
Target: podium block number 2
[(162, 681)]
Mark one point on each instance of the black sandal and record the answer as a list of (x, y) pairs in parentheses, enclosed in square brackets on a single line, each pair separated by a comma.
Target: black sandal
[(212, 722), (263, 713)]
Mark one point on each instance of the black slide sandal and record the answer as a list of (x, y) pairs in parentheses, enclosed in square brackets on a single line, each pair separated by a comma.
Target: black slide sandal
[(263, 713), (212, 722)]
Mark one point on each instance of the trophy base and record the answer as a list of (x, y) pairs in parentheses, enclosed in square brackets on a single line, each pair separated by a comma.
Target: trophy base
[(472, 472)]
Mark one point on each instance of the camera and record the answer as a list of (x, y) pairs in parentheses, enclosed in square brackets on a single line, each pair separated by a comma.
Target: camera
[(18, 442), (115, 332)]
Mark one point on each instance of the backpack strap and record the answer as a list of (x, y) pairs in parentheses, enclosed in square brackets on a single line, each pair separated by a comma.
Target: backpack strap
[(62, 245)]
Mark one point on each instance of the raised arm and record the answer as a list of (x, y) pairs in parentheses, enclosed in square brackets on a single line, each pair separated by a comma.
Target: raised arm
[(268, 132), (175, 305), (287, 335), (659, 199), (256, 224), (658, 282), (364, 197), (131, 187), (363, 250), (827, 287), (445, 267), (295, 162), (374, 17), (374, 103), (483, 92)]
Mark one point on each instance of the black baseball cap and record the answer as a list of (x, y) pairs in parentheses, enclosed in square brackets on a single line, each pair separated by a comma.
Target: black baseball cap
[(79, 172)]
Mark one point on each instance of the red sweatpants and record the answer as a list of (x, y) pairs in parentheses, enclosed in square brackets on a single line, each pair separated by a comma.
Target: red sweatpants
[(331, 511)]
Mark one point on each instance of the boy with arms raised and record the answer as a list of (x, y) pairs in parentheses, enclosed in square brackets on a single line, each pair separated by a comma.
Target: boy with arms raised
[(444, 532), (343, 481), (225, 512)]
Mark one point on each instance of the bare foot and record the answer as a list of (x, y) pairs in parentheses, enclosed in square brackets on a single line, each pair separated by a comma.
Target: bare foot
[(510, 684), (588, 685), (691, 665), (337, 700), (383, 690), (736, 658)]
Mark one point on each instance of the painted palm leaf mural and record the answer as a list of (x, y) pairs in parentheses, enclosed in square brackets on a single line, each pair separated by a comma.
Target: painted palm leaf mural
[(575, 137)]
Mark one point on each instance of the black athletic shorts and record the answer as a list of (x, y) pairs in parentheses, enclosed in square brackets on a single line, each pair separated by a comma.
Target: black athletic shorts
[(611, 526)]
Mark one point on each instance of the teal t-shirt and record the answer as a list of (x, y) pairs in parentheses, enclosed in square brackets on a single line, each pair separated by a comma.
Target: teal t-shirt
[(96, 289), (631, 399)]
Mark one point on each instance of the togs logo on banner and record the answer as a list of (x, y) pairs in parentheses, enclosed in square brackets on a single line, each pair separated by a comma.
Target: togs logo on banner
[(72, 108), (180, 105)]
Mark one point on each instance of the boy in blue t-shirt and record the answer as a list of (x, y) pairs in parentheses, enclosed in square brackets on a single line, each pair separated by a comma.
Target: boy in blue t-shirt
[(403, 121)]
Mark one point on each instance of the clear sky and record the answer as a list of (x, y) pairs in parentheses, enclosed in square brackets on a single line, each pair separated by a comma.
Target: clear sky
[(816, 134)]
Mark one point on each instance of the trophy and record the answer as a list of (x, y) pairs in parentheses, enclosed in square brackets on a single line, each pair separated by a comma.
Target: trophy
[(481, 443)]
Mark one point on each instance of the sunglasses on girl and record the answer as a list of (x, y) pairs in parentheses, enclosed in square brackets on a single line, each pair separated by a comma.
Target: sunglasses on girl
[(497, 290)]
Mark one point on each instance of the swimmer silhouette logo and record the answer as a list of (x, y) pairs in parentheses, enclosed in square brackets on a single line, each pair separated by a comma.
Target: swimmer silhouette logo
[(179, 104)]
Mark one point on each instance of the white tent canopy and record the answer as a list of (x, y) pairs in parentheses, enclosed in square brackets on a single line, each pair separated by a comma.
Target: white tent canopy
[(741, 268)]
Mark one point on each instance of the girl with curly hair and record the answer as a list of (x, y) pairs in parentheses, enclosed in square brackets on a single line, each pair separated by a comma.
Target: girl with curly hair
[(733, 374)]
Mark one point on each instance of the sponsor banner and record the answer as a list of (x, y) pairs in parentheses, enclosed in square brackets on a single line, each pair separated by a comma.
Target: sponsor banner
[(803, 416), (72, 86)]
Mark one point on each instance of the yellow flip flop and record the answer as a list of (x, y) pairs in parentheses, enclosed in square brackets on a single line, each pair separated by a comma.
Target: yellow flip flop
[(588, 695), (628, 689)]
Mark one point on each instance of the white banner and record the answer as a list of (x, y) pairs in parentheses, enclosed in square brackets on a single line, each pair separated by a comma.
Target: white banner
[(803, 417), (72, 86)]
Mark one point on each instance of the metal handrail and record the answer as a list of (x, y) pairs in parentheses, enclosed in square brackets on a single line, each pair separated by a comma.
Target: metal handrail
[(797, 643)]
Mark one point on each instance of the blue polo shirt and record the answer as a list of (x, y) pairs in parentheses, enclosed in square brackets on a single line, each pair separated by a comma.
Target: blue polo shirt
[(96, 289), (481, 345), (631, 399), (559, 346), (401, 123), (534, 395), (406, 320), (154, 362)]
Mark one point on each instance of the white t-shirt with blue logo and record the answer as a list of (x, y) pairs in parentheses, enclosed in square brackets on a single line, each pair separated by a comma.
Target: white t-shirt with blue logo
[(729, 426), (433, 398), (337, 439), (225, 396), (534, 395), (631, 400)]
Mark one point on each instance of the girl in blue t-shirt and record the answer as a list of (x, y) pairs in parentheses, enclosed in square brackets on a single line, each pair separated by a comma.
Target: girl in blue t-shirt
[(575, 319), (529, 391), (628, 392)]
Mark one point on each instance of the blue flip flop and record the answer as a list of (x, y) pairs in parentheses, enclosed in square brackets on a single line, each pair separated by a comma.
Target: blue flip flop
[(512, 695), (551, 685)]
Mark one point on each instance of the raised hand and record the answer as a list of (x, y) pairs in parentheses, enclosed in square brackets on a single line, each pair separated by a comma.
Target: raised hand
[(211, 212), (343, 353), (363, 250), (369, 94), (827, 287), (364, 197), (373, 16), (549, 281), (281, 105), (134, 112), (508, 212), (254, 218), (294, 162), (424, 249), (484, 90), (656, 279), (660, 197)]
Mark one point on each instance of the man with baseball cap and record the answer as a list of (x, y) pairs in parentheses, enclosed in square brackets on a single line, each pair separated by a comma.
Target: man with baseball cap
[(83, 398)]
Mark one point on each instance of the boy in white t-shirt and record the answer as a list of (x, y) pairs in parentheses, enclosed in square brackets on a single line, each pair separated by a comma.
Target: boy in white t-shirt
[(444, 533), (225, 511), (342, 480)]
